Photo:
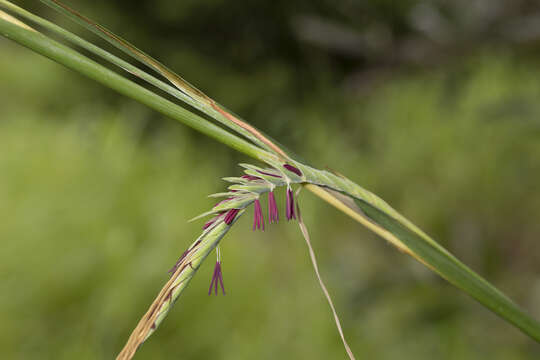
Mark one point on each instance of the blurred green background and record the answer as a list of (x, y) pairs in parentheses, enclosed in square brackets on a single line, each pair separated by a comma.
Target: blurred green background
[(433, 105)]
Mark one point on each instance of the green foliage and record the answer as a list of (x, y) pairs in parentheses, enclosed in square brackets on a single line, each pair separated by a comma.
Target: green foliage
[(94, 212)]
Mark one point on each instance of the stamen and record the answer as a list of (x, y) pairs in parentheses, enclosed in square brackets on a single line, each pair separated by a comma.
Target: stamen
[(231, 214), (217, 277), (258, 219), (293, 169), (268, 174), (290, 205), (273, 215), (250, 177)]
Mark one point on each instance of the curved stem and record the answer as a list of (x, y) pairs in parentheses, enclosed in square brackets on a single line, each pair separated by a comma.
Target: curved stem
[(81, 64), (363, 205)]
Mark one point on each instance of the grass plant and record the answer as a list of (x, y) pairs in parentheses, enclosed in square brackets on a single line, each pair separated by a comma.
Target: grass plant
[(281, 168)]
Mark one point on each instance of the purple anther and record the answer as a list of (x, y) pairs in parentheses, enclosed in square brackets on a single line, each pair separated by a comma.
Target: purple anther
[(290, 205), (268, 174), (231, 214), (217, 277), (273, 215), (258, 219), (293, 169), (250, 177)]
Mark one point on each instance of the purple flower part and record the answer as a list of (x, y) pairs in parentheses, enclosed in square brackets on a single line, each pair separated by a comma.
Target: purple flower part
[(214, 278), (290, 205), (258, 219), (217, 277), (211, 221), (221, 202), (273, 215), (220, 278), (231, 214), (293, 169), (250, 177), (268, 174), (175, 267)]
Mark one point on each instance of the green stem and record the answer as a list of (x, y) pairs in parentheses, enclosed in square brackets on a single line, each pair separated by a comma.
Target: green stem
[(74, 39), (190, 94), (369, 209), (394, 227), (76, 61)]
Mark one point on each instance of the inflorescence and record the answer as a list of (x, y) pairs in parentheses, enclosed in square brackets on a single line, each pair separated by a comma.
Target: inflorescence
[(243, 192)]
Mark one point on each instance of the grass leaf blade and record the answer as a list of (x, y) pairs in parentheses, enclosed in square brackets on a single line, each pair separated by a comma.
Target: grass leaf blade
[(82, 64), (433, 256), (201, 100), (362, 205)]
